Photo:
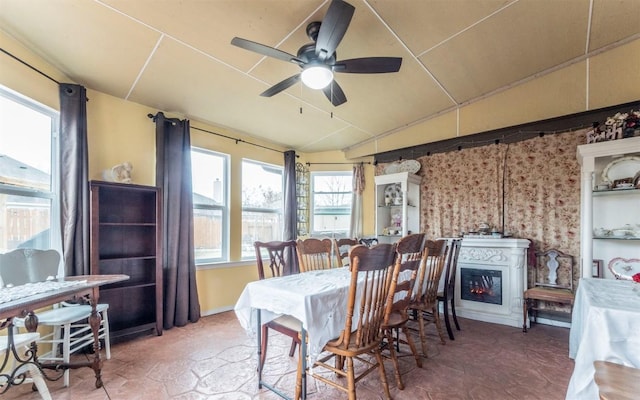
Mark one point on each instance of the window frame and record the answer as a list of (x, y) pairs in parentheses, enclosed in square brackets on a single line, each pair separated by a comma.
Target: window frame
[(224, 208), (312, 193), (277, 211), (53, 194)]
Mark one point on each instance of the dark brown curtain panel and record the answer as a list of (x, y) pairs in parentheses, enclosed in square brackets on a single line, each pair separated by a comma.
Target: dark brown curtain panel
[(74, 181), (290, 206), (173, 176)]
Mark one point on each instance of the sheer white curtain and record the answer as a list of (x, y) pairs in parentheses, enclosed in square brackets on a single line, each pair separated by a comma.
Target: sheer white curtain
[(356, 201)]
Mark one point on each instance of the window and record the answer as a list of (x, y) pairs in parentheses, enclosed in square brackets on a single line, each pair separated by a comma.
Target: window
[(262, 203), (29, 206), (331, 203), (210, 205)]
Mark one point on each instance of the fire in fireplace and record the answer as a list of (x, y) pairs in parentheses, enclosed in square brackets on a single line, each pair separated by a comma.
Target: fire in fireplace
[(481, 285)]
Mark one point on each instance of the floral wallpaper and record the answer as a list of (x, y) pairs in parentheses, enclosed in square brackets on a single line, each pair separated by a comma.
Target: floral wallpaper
[(541, 191)]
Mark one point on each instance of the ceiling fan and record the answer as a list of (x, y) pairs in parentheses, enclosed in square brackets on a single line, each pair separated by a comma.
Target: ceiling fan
[(318, 59)]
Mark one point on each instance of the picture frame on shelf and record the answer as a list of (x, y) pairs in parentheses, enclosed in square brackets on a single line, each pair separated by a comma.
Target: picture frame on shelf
[(596, 269)]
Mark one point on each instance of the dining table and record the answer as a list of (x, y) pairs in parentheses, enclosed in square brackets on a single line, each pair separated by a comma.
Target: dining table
[(23, 300), (318, 299), (605, 326)]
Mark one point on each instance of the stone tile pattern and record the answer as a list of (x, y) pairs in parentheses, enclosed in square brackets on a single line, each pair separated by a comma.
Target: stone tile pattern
[(215, 359)]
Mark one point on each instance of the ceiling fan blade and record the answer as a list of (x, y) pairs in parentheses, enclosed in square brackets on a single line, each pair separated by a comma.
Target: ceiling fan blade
[(334, 93), (333, 27), (368, 65), (265, 50), (279, 87)]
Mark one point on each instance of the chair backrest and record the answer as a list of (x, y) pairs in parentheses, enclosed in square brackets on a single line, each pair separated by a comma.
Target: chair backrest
[(22, 266), (341, 250), (431, 267), (275, 253), (408, 256), (368, 241), (554, 269), (314, 254), (371, 273), (451, 266)]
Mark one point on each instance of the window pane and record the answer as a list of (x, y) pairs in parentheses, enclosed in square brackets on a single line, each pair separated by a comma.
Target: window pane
[(210, 214), (207, 235), (261, 205), (331, 203), (259, 226), (26, 222), (28, 204), (209, 177), (21, 162)]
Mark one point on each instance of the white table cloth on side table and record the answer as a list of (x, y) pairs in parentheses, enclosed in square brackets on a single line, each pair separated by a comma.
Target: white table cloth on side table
[(316, 298), (605, 326)]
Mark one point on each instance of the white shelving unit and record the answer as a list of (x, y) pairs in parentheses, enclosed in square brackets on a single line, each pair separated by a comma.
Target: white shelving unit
[(399, 214), (606, 209)]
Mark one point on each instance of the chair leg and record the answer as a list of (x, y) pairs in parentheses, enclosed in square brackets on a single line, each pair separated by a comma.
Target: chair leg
[(292, 350), (412, 346), (524, 315), (351, 381), (383, 375), (453, 312), (298, 392), (394, 358), (436, 317), (66, 349), (105, 329), (447, 323), (423, 337)]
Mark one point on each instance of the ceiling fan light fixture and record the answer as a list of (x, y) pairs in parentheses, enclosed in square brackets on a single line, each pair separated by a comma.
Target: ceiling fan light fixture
[(316, 76)]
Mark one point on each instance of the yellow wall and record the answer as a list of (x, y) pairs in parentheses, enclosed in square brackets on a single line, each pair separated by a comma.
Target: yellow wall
[(604, 80)]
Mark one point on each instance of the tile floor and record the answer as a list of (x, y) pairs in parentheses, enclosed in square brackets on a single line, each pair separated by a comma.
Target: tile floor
[(215, 359)]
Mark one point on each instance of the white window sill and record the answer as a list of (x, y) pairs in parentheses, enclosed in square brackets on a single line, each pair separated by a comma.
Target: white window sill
[(225, 264)]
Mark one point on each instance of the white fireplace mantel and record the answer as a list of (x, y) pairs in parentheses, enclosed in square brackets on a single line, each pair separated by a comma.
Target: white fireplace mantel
[(506, 255)]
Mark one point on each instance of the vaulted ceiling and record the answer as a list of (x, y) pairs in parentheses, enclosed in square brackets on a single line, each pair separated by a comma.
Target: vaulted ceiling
[(176, 56)]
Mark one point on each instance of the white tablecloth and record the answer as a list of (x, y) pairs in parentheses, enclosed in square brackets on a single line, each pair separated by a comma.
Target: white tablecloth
[(605, 326), (317, 298)]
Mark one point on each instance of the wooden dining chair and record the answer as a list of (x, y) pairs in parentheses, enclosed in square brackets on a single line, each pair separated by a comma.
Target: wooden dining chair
[(371, 274), (553, 283), (446, 297), (425, 300), (315, 254), (275, 253), (341, 249), (408, 255)]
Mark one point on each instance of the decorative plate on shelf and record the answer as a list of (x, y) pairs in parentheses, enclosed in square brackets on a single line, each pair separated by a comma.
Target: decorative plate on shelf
[(392, 168), (410, 166), (621, 168), (623, 268)]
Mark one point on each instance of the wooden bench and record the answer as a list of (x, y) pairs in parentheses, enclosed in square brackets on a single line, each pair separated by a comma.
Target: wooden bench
[(616, 381)]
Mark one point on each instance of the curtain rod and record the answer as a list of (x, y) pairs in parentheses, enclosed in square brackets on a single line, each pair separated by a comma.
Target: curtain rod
[(336, 163), (237, 140), (29, 65)]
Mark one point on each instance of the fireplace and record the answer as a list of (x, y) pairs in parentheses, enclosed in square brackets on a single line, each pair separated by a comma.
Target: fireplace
[(491, 280), (482, 285)]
